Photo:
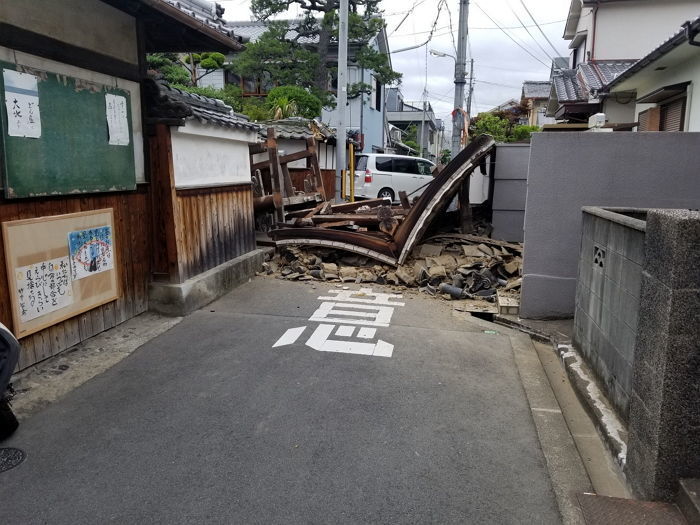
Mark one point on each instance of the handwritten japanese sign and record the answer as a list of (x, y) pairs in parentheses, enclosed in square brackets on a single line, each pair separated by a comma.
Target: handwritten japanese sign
[(117, 120), (347, 309), (22, 103), (91, 251), (43, 287)]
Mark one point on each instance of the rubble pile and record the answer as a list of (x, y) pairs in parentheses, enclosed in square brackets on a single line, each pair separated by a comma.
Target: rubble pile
[(482, 273)]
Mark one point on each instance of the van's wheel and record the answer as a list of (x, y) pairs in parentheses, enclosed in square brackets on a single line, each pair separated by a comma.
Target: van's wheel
[(386, 193)]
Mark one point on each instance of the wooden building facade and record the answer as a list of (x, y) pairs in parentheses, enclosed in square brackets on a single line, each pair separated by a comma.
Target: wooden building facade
[(95, 48)]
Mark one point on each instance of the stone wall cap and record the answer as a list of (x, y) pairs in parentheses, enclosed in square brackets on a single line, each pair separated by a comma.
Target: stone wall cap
[(616, 215)]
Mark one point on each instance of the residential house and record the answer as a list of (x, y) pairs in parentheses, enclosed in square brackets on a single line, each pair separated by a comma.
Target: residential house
[(606, 37), (401, 115), (84, 63), (663, 85), (534, 97), (515, 110), (364, 113)]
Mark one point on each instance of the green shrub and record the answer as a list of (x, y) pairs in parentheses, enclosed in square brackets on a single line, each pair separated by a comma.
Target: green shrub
[(308, 105)]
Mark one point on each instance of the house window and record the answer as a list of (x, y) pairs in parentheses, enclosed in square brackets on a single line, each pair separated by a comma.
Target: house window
[(376, 96), (672, 115)]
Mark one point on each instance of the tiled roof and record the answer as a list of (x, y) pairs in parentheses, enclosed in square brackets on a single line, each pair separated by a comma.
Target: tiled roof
[(206, 13), (690, 29), (207, 110), (297, 128), (595, 75), (536, 89), (566, 86), (251, 31)]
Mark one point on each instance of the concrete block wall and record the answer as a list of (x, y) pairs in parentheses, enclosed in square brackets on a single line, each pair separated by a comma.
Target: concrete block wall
[(664, 415), (607, 297), (510, 191)]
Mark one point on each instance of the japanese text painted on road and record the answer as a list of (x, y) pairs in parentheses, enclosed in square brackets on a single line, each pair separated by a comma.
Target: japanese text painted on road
[(349, 320)]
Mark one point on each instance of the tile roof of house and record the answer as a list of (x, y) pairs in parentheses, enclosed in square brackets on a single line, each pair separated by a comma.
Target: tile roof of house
[(536, 89), (206, 110), (567, 87), (689, 30), (206, 13), (251, 31), (597, 74), (297, 128)]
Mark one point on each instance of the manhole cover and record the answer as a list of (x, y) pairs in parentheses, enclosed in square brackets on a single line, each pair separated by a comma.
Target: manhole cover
[(10, 458)]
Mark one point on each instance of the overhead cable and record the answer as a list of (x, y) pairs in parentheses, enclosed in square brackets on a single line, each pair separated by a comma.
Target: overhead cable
[(528, 32), (556, 53), (508, 35)]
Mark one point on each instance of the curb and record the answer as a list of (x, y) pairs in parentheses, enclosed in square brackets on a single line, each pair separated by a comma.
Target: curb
[(611, 428)]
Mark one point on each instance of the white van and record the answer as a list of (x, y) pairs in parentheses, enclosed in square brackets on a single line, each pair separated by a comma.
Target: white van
[(379, 175)]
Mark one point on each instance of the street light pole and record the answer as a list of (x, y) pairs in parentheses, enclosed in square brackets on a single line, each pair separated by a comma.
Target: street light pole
[(460, 66)]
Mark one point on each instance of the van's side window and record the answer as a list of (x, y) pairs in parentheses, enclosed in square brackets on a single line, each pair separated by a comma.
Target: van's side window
[(424, 167), (405, 166), (383, 163)]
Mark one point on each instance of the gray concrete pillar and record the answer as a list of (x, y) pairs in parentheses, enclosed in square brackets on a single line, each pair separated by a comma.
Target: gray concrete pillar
[(664, 420)]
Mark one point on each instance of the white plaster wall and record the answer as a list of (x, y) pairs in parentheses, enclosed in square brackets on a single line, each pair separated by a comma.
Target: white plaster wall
[(685, 72), (326, 153), (89, 24), (215, 79), (207, 155), (16, 57), (616, 112), (629, 30)]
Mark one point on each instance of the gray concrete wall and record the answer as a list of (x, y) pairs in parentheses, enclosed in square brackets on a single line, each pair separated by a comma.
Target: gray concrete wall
[(607, 298), (570, 170), (509, 192)]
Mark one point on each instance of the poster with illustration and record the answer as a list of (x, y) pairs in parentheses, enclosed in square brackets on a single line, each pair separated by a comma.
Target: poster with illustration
[(91, 251), (43, 287)]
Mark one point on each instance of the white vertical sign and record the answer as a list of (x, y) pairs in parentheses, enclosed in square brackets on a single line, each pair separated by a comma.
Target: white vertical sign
[(22, 103), (117, 120)]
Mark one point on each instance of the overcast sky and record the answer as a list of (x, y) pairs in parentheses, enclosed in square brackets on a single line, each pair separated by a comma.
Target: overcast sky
[(500, 65)]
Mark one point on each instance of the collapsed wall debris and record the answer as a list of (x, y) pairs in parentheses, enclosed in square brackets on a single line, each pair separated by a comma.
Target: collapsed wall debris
[(480, 274), (376, 229)]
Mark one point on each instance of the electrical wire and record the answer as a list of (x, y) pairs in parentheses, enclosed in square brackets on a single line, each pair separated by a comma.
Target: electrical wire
[(513, 39), (556, 53), (452, 31), (528, 32)]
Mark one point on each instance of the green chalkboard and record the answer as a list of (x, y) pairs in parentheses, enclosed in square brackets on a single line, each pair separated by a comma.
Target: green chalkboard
[(72, 154)]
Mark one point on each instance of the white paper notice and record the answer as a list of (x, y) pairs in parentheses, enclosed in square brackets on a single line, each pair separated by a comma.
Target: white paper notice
[(117, 120), (43, 287), (22, 102)]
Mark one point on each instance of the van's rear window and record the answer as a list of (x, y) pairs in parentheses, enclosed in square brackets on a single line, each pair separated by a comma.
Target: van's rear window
[(361, 163)]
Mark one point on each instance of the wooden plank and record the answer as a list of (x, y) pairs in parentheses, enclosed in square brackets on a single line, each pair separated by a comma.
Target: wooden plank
[(337, 224), (405, 203), (312, 162), (298, 155)]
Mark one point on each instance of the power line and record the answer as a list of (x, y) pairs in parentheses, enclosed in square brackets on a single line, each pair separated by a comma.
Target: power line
[(452, 31), (508, 35), (528, 31), (556, 53)]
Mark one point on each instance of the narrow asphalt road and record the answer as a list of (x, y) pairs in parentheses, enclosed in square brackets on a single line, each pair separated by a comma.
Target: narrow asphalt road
[(212, 423)]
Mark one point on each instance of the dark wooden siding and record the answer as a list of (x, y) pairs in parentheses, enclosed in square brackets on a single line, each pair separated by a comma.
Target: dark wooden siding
[(215, 225), (133, 240)]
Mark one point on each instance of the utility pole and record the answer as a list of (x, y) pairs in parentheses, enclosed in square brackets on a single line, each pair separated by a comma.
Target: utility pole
[(471, 90), (342, 97), (422, 129), (460, 66)]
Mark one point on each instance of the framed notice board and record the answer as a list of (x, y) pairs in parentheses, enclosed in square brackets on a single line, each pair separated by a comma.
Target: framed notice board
[(59, 267), (63, 135)]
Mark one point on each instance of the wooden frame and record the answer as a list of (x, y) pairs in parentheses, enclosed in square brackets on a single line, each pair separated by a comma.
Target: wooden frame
[(105, 285)]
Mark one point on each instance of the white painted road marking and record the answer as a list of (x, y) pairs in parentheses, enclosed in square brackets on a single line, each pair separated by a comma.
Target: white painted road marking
[(363, 307)]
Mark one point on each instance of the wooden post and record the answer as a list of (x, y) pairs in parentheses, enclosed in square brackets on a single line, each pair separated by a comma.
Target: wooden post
[(466, 224)]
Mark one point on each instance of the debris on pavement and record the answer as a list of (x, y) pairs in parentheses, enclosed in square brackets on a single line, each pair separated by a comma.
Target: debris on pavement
[(486, 281)]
